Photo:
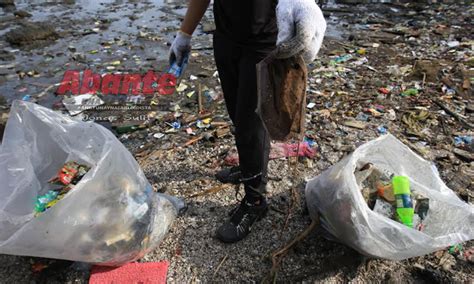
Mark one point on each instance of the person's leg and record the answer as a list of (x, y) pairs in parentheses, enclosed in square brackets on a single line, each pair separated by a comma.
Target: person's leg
[(253, 146), (227, 56), (253, 143)]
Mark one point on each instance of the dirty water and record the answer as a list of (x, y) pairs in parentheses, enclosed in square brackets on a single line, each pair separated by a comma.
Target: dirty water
[(120, 36), (91, 34)]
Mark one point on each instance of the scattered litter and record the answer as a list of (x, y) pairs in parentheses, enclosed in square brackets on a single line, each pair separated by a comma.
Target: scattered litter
[(355, 124), (182, 87), (190, 94), (205, 123), (77, 104), (127, 128), (342, 59), (391, 115), (278, 150), (453, 44), (410, 92), (175, 125), (362, 117), (382, 130), (461, 140)]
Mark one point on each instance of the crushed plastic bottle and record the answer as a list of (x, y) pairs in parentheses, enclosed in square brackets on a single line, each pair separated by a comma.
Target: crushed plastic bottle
[(177, 70)]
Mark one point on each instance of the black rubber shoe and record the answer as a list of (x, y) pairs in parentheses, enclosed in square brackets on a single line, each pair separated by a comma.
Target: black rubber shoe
[(231, 175), (239, 225)]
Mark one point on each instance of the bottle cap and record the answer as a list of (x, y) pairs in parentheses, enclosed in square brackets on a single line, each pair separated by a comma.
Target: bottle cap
[(401, 185)]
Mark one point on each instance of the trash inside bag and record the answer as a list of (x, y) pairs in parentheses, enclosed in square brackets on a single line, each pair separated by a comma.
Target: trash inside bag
[(370, 221), (392, 196), (282, 96), (70, 190)]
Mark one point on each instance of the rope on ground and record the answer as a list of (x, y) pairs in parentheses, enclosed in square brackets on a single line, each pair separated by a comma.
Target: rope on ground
[(295, 196)]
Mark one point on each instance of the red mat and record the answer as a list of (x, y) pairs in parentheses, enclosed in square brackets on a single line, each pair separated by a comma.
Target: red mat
[(143, 273)]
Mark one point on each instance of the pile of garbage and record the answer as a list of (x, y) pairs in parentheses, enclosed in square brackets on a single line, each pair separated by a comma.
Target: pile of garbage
[(69, 175), (391, 196)]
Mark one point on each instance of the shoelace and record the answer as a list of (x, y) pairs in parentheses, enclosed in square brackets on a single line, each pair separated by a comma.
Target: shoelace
[(245, 215), (242, 224)]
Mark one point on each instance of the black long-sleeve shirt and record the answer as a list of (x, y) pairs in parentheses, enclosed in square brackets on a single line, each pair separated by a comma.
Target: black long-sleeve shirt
[(250, 23)]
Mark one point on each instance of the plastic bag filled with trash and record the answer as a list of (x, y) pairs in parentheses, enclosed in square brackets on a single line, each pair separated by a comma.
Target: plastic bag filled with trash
[(70, 190), (336, 195)]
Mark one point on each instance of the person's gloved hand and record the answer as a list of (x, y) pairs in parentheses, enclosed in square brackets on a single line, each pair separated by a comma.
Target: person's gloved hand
[(301, 28), (180, 48)]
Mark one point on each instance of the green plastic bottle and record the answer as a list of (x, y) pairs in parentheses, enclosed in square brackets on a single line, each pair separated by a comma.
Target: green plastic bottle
[(401, 189)]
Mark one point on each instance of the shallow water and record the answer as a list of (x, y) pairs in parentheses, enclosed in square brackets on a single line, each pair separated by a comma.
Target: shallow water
[(122, 40), (119, 41)]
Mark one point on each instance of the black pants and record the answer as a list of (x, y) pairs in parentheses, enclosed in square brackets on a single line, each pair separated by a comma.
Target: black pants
[(237, 72)]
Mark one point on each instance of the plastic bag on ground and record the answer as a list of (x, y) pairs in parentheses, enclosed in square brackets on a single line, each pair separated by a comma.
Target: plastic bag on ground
[(111, 216), (344, 213)]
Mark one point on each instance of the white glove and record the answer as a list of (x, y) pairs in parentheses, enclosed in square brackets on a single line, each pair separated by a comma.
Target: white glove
[(180, 48), (301, 28)]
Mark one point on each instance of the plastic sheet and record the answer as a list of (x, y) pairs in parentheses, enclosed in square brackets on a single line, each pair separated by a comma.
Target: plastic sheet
[(344, 213), (111, 216)]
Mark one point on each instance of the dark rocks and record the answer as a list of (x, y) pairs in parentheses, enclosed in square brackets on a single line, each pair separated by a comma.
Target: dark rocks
[(6, 56), (31, 32), (6, 3), (22, 14)]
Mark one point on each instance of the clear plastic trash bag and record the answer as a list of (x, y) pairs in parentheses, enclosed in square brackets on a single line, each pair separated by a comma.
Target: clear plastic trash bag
[(345, 215), (112, 216)]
